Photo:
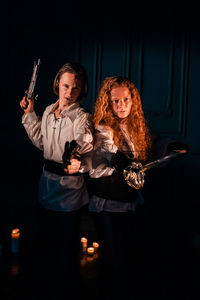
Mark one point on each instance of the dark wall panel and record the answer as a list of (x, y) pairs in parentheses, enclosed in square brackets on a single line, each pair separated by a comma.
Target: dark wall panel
[(159, 49)]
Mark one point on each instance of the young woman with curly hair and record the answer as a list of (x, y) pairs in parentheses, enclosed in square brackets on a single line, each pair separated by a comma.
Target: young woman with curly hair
[(121, 137), (119, 106), (120, 125)]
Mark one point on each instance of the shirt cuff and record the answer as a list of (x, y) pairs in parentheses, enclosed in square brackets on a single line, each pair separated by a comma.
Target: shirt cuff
[(29, 118)]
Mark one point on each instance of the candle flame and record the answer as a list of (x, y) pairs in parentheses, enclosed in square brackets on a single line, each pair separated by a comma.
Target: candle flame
[(15, 233), (95, 245)]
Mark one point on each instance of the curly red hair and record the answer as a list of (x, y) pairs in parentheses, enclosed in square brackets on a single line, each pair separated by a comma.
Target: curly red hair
[(136, 123)]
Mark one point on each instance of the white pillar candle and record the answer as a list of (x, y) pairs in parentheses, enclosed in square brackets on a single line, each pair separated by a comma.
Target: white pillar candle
[(84, 243)]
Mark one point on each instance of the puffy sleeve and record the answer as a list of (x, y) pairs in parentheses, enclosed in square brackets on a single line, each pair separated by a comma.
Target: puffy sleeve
[(84, 138), (83, 133), (32, 125), (104, 149)]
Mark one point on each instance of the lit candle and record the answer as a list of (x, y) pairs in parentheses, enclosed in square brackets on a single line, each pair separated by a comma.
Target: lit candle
[(90, 251), (15, 234), (96, 246), (84, 243)]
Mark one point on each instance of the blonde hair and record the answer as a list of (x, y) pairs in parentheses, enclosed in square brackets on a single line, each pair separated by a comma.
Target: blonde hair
[(136, 123)]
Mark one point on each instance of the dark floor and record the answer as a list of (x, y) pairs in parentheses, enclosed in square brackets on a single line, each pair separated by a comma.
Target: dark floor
[(164, 271)]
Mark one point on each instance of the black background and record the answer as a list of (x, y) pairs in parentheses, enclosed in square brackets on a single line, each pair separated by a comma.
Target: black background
[(31, 30)]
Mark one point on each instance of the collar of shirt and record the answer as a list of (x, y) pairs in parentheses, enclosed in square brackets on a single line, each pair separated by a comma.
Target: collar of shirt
[(70, 111)]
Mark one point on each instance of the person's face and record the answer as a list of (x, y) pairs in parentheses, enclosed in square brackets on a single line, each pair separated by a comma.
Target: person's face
[(121, 101), (69, 89)]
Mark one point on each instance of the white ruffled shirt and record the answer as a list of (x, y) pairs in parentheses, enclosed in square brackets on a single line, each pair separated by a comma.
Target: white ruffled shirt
[(61, 193), (104, 149)]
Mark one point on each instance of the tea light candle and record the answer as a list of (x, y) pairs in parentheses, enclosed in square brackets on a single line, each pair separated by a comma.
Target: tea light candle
[(15, 234), (90, 251), (84, 243), (96, 246)]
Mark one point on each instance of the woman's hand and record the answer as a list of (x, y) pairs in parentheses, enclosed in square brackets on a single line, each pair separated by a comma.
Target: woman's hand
[(27, 105), (73, 167)]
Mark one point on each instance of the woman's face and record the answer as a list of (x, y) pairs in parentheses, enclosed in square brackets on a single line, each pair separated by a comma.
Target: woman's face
[(69, 89), (121, 101)]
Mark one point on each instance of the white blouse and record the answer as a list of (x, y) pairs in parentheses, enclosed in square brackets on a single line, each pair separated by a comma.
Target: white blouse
[(49, 134), (104, 149)]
